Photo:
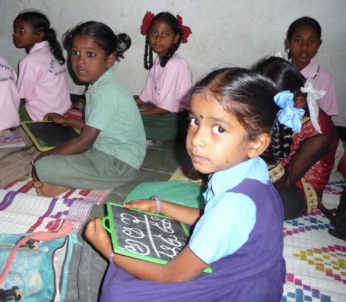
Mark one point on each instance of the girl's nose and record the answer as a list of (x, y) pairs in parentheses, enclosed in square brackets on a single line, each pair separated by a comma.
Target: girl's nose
[(80, 59), (197, 138)]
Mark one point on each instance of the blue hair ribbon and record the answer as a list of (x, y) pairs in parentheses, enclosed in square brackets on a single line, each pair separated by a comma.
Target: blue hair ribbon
[(289, 115)]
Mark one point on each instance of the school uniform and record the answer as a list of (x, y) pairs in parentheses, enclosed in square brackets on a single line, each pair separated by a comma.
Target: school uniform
[(9, 98), (169, 88), (323, 81), (43, 83), (240, 234), (118, 151)]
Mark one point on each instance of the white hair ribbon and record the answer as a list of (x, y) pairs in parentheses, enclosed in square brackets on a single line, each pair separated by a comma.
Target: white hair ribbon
[(313, 96)]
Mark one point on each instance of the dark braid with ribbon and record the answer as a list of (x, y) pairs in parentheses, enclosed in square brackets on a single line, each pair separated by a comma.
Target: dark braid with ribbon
[(40, 24)]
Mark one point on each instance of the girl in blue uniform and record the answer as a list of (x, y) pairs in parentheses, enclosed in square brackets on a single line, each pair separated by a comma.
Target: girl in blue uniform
[(240, 231)]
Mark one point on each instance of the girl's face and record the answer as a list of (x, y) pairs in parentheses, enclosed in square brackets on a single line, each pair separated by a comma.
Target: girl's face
[(303, 46), (23, 35), (162, 37), (215, 140), (89, 60)]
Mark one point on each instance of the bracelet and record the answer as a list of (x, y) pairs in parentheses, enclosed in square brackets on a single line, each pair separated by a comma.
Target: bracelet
[(158, 203), (111, 257)]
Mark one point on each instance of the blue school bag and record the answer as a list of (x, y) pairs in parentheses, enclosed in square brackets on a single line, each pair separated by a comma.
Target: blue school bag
[(35, 267)]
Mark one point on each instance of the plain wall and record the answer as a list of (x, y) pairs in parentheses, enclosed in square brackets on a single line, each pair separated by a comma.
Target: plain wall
[(225, 32)]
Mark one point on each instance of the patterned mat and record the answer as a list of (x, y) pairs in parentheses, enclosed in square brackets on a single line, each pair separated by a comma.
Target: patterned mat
[(24, 185), (22, 211), (336, 184), (315, 260)]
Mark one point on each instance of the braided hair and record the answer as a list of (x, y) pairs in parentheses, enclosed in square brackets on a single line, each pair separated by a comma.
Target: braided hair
[(148, 51), (103, 35), (40, 24), (286, 77)]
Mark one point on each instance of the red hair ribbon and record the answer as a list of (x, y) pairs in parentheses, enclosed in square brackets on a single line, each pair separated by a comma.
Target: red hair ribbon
[(149, 16), (186, 30)]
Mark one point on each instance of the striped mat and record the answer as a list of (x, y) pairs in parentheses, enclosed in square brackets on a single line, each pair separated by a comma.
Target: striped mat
[(22, 211)]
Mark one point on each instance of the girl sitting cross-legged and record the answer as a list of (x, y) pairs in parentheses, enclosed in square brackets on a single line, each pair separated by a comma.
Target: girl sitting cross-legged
[(305, 166), (240, 231), (170, 83), (111, 147)]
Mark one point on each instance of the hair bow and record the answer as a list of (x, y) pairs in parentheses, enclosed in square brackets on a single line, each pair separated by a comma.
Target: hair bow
[(289, 115), (186, 30), (313, 96), (149, 16)]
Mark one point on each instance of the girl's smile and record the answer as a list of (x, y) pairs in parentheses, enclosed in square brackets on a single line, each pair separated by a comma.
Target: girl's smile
[(215, 140), (162, 37), (303, 45), (89, 60)]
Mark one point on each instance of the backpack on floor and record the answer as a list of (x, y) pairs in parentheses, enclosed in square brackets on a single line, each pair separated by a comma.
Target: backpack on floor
[(40, 267)]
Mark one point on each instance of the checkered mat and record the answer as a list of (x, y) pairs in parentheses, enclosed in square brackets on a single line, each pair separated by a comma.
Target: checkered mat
[(336, 184), (315, 260)]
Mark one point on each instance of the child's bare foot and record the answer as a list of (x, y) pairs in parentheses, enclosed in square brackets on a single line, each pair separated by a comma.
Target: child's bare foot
[(48, 190)]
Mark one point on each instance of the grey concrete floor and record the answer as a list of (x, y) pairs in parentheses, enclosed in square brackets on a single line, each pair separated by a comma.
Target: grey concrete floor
[(159, 164)]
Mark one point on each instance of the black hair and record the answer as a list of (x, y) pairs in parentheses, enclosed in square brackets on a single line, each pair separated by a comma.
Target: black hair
[(148, 51), (248, 95), (286, 77), (303, 21), (103, 35), (40, 23)]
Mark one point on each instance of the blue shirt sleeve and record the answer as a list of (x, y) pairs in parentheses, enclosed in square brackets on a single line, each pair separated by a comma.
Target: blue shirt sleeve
[(224, 227)]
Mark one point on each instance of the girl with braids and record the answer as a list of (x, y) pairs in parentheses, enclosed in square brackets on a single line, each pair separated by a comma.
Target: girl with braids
[(302, 170), (169, 85), (239, 232), (42, 83), (111, 146)]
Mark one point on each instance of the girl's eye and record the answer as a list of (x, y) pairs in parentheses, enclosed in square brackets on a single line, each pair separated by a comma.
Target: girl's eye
[(153, 33), (22, 29), (75, 52), (312, 41), (194, 122), (91, 54), (218, 130), (297, 40), (166, 34)]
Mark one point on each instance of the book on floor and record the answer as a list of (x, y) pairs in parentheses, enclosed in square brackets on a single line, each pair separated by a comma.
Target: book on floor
[(8, 139)]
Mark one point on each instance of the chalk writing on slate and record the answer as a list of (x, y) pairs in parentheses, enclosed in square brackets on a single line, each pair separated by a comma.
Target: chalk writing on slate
[(148, 235)]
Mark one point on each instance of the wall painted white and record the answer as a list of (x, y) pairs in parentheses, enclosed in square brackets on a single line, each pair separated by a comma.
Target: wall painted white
[(225, 32)]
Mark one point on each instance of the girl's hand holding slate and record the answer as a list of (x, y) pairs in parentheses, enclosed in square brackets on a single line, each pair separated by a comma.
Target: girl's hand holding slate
[(56, 118), (148, 205)]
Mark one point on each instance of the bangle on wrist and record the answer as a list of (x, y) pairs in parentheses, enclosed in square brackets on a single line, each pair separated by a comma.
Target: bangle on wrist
[(158, 203), (111, 257), (33, 162)]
